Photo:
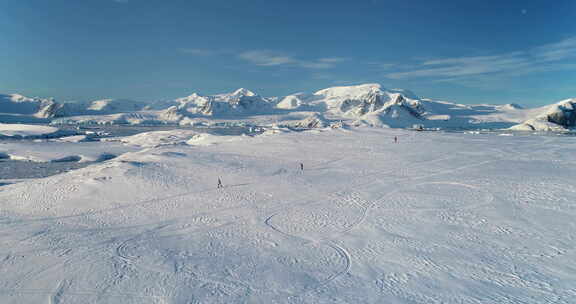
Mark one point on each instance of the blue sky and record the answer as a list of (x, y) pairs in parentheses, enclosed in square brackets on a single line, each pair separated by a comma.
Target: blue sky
[(464, 51)]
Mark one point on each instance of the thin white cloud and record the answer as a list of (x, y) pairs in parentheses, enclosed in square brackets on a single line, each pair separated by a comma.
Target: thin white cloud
[(383, 66), (269, 58), (266, 58), (387, 66), (332, 59), (197, 52), (316, 65), (463, 66), (561, 50), (547, 57), (471, 60)]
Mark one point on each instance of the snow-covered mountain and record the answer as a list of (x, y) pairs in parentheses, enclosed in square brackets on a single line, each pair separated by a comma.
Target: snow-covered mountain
[(365, 104), (371, 103), (16, 104), (560, 116), (29, 108), (111, 106), (239, 102)]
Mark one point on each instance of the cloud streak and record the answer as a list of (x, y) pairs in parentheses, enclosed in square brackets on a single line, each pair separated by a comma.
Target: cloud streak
[(564, 49), (266, 58), (269, 58), (547, 57), (197, 52)]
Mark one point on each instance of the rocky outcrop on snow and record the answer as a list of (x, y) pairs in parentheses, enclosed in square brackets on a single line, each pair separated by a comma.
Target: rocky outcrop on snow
[(49, 109), (35, 107), (563, 113), (371, 102), (172, 114), (399, 104), (290, 102), (313, 121), (557, 117)]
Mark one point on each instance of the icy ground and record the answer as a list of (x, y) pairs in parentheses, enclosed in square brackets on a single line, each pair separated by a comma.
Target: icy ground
[(436, 218)]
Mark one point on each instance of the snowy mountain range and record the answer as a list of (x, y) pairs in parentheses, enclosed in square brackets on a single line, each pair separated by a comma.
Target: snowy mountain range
[(366, 104)]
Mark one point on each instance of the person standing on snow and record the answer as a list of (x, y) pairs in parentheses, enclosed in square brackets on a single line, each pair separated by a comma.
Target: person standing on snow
[(220, 184), (395, 139), (301, 166)]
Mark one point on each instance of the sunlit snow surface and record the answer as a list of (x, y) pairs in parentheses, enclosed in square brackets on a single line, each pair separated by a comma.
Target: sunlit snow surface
[(436, 218), (22, 130)]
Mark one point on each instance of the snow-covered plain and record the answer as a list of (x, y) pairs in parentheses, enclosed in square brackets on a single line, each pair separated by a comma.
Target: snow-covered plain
[(436, 218)]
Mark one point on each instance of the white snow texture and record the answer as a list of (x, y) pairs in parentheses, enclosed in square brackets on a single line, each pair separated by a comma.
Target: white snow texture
[(434, 218)]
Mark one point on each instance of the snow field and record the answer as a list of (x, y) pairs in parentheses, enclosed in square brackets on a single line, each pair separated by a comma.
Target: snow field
[(436, 218)]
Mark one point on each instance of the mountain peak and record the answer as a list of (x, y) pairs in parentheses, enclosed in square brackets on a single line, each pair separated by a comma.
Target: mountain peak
[(243, 92), (350, 91), (194, 95)]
